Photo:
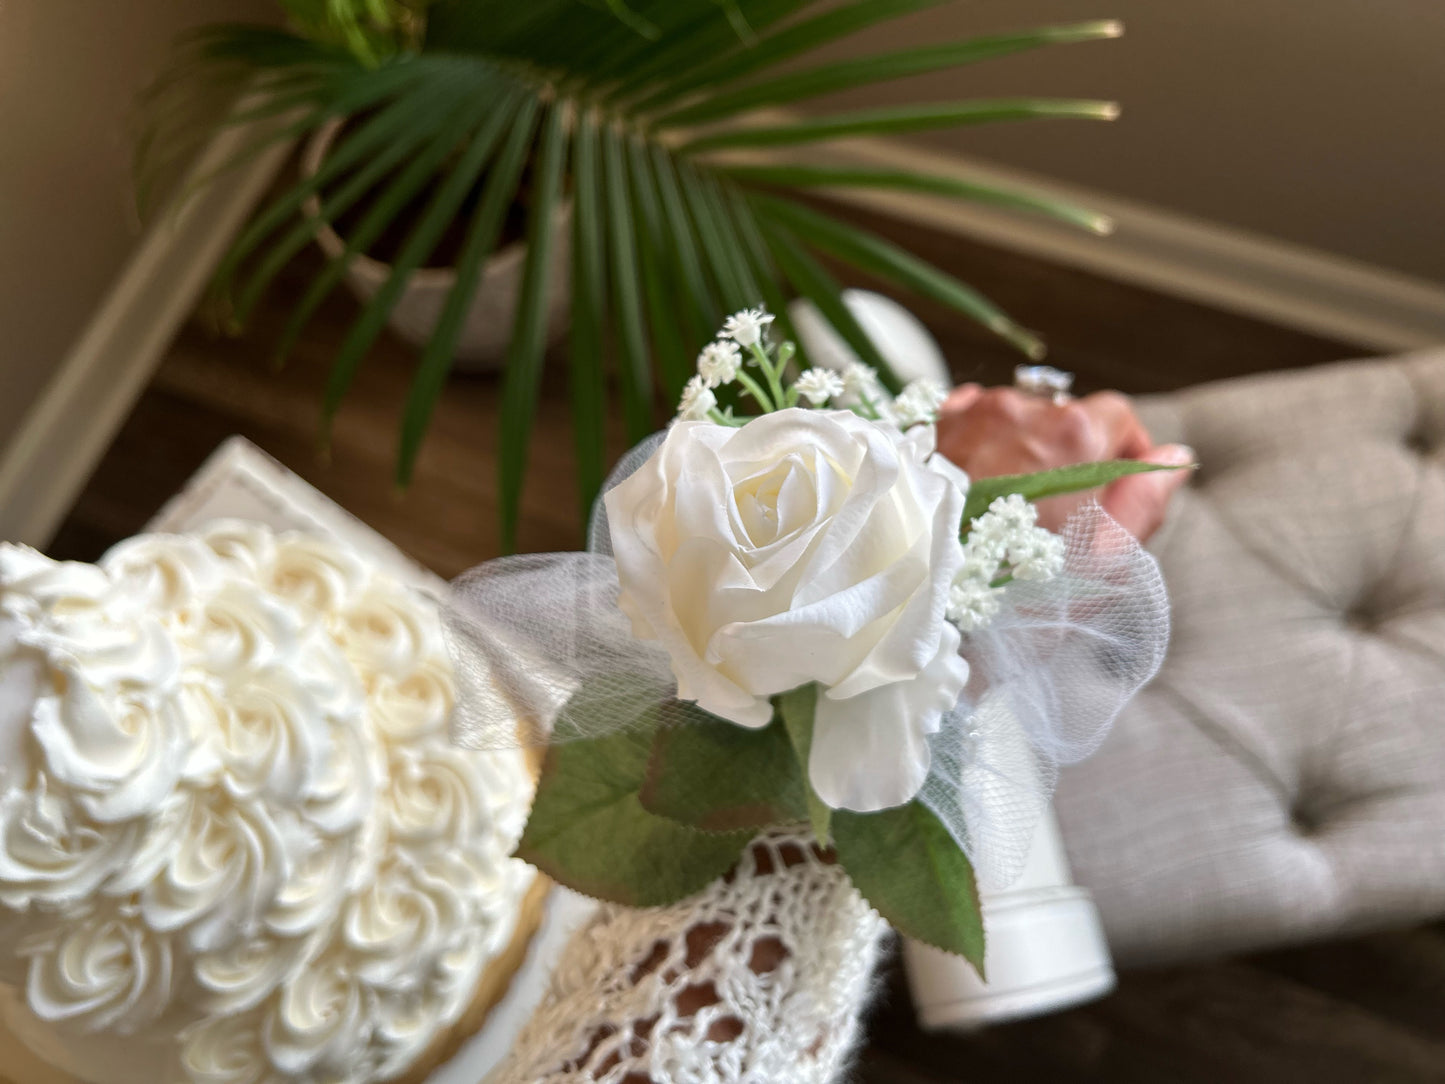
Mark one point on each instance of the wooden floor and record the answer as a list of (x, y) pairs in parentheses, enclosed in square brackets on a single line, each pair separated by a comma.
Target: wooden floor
[(1367, 1010)]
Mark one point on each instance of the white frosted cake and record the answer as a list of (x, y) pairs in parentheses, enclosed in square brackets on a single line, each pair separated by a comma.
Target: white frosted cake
[(236, 842)]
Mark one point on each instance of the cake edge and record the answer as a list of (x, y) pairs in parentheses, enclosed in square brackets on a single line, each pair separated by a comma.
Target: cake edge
[(495, 982)]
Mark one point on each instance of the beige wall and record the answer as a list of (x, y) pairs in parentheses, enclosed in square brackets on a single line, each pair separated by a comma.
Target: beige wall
[(69, 70), (1318, 121)]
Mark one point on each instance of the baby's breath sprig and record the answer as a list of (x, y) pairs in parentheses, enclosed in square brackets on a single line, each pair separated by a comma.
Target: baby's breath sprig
[(742, 354), (1004, 544)]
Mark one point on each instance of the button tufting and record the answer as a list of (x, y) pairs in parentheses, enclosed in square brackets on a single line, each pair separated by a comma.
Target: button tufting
[(1361, 620), (1285, 775), (1303, 823), (1420, 443)]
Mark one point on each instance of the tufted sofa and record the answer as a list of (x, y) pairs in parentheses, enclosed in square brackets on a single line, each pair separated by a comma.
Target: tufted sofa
[(1283, 778)]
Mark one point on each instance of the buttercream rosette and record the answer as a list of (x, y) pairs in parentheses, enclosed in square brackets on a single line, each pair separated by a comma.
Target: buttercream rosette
[(232, 825)]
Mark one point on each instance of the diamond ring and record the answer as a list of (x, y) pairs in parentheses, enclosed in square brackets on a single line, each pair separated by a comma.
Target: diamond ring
[(1044, 381)]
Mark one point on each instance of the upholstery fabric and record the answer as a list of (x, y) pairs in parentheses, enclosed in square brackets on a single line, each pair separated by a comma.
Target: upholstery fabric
[(1283, 778)]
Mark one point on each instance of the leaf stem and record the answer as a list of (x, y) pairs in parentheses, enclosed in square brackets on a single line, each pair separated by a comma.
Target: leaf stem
[(752, 388), (774, 384)]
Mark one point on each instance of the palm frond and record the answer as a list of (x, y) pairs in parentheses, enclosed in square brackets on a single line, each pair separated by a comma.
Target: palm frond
[(632, 110), (524, 358)]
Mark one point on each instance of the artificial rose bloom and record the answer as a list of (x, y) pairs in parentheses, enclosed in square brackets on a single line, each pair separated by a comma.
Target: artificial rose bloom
[(807, 546)]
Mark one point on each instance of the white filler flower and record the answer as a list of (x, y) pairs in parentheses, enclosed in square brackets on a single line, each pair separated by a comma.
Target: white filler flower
[(806, 546), (918, 403), (746, 327), (697, 400), (718, 363), (819, 385)]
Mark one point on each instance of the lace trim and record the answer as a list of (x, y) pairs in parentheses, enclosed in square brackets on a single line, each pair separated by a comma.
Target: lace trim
[(760, 979)]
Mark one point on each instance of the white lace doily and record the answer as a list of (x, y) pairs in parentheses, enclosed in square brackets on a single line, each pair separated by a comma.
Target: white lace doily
[(761, 979)]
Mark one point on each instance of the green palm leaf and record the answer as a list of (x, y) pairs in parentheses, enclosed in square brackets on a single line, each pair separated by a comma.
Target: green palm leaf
[(524, 359), (481, 239), (847, 74), (595, 102), (588, 327)]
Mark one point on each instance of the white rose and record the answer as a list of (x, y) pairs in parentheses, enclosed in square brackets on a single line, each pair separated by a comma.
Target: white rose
[(315, 575), (389, 630), (434, 797), (319, 1023), (225, 871), (243, 976), (225, 1050), (410, 708), (313, 894), (345, 794), (167, 575), (49, 853), (108, 971), (120, 753), (400, 924), (32, 585), (249, 548), (806, 546), (274, 739), (241, 629)]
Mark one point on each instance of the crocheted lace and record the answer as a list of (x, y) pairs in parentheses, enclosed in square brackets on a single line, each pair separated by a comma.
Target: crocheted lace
[(760, 979)]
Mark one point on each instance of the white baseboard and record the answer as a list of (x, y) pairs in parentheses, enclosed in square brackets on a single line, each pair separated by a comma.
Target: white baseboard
[(1216, 265), (64, 435)]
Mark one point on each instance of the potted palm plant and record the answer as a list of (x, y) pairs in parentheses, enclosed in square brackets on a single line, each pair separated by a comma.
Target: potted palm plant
[(655, 133)]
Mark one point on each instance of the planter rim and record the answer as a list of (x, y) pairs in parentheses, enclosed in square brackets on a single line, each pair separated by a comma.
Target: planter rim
[(330, 241)]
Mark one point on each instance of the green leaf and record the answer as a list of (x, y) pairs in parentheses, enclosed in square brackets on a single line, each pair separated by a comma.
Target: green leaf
[(529, 340), (373, 224), (720, 777), (898, 120), (800, 176), (744, 226), (635, 364), (861, 71), (908, 867), (480, 241), (814, 283), (632, 19), (667, 310), (589, 292), (419, 244), (728, 264), (673, 241), (798, 37), (696, 38), (369, 143), (589, 830), (871, 253), (797, 709), (345, 196), (982, 492), (682, 237)]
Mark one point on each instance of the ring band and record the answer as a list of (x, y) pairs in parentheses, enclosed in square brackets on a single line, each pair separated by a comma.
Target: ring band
[(1044, 381)]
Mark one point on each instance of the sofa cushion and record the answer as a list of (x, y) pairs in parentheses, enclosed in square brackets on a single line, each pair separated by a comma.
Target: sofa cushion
[(1284, 776)]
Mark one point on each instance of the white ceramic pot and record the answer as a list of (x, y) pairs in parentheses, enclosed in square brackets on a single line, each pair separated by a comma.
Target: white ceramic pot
[(1045, 951), (906, 345), (487, 330)]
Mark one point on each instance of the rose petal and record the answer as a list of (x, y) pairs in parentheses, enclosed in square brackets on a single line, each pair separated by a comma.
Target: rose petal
[(871, 751)]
